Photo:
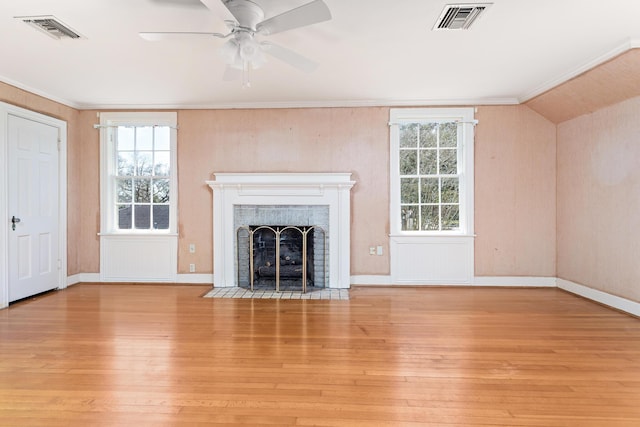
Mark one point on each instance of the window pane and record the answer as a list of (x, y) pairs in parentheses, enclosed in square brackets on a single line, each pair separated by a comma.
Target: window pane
[(450, 217), (409, 135), (409, 218), (408, 190), (125, 163), (144, 163), (428, 135), (162, 138), (144, 138), (450, 190), (125, 138), (448, 162), (408, 162), (428, 162), (143, 217), (141, 190), (429, 190), (430, 219), (161, 217), (449, 135), (124, 217), (123, 190), (161, 191), (162, 162)]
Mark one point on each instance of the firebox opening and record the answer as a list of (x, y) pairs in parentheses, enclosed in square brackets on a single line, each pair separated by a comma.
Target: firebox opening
[(281, 257), (290, 254)]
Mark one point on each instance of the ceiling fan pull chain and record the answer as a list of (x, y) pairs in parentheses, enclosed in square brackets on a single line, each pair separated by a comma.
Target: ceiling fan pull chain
[(246, 82)]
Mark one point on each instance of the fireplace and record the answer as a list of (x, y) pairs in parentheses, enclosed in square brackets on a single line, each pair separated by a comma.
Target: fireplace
[(308, 201)]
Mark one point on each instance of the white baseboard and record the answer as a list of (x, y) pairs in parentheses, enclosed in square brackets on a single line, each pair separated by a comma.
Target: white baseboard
[(371, 280), (515, 281), (613, 301), (83, 277), (616, 302), (195, 279)]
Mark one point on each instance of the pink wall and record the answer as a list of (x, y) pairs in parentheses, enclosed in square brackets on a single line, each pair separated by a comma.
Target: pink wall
[(599, 199), (598, 183), (515, 177), (286, 140), (515, 224), (89, 188)]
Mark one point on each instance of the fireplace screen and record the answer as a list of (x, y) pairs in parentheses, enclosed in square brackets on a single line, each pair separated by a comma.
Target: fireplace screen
[(281, 257)]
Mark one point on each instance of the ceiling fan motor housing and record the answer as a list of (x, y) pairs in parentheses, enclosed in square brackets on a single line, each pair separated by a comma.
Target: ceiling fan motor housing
[(248, 13)]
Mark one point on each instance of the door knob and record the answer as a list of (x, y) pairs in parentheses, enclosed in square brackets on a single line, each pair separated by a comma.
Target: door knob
[(14, 221)]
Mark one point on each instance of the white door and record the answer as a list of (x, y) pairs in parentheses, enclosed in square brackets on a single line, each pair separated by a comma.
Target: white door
[(33, 210)]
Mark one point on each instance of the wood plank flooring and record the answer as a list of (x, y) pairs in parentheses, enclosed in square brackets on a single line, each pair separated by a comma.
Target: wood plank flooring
[(160, 355)]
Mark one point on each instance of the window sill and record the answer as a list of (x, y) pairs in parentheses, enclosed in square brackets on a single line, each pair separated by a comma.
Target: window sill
[(438, 235), (138, 234)]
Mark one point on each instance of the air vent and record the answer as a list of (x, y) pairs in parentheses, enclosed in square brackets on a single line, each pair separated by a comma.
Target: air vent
[(51, 26), (460, 16)]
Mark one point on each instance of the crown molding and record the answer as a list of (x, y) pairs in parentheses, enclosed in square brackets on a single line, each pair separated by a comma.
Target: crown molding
[(41, 93), (307, 104)]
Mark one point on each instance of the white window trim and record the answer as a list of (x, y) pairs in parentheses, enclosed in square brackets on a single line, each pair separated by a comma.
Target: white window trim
[(107, 159), (466, 156)]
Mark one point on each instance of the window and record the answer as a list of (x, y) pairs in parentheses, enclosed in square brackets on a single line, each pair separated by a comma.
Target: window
[(432, 171), (138, 172)]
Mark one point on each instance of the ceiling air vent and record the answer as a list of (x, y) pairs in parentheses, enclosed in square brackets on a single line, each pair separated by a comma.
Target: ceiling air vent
[(460, 16), (51, 26)]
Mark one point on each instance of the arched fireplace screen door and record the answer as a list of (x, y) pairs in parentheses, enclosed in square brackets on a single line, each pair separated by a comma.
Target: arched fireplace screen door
[(271, 256)]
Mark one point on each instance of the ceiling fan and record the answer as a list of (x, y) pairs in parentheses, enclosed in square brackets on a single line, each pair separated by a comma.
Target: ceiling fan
[(245, 20)]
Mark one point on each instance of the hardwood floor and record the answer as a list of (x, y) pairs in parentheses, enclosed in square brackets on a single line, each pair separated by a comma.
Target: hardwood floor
[(147, 355)]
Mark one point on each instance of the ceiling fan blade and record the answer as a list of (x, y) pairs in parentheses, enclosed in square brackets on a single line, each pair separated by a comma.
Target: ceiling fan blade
[(161, 36), (219, 9), (307, 14), (290, 57)]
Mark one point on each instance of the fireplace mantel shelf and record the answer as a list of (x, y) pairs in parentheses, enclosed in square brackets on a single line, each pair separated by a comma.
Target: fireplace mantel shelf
[(282, 179), (329, 189)]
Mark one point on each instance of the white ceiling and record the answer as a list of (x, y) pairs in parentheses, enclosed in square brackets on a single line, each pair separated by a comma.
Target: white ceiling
[(372, 52)]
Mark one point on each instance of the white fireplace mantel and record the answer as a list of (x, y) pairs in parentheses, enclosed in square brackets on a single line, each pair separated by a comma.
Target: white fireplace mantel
[(330, 189)]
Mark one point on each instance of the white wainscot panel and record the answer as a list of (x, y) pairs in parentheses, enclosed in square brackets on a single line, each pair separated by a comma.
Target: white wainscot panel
[(126, 258), (431, 260)]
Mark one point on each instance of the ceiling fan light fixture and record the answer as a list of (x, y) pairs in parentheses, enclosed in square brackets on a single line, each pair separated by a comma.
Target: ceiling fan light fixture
[(242, 51), (250, 50)]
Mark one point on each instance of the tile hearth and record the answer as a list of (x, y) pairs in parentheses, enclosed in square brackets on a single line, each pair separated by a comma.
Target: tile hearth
[(237, 292)]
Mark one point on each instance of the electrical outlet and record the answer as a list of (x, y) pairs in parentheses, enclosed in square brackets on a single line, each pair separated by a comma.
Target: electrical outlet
[(379, 250), (192, 248), (372, 250), (192, 268)]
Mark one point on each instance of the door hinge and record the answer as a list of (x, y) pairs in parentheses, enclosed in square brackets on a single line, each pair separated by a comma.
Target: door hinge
[(59, 264), (59, 144)]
